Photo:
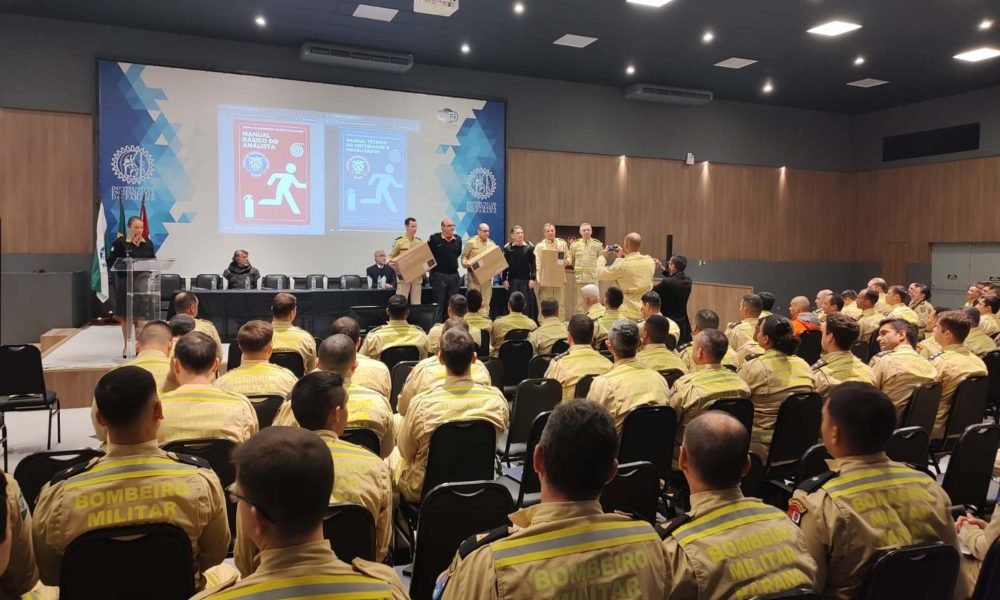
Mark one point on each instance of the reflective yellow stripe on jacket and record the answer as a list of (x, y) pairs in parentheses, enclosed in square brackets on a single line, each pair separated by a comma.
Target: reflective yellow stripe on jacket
[(118, 470), (342, 587), (869, 479), (568, 541), (726, 518)]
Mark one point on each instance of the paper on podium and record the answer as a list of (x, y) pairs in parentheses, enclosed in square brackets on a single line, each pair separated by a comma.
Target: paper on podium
[(412, 264), (551, 270)]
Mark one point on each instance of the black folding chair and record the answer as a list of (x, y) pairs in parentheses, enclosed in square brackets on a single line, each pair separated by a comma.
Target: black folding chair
[(350, 529), (992, 360), (397, 354), (810, 346), (539, 365), (967, 479), (350, 282), (422, 315), (533, 397), (170, 283), (583, 386), (3, 439), (366, 438), (495, 368), (291, 360), (860, 349), (988, 583), (516, 334), (873, 346), (484, 342), (795, 431), (925, 571), (22, 385), (369, 317), (671, 375), (909, 445), (968, 407), (515, 356), (275, 282), (400, 372), (35, 470), (812, 463), (648, 435), (151, 561), (740, 408), (522, 481), (453, 512), (753, 481), (218, 453), (315, 281), (204, 282), (266, 406), (635, 490), (560, 347), (921, 409), (234, 357)]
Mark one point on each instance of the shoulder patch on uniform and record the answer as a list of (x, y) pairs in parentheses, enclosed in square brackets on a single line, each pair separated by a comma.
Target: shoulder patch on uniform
[(882, 353), (683, 347), (935, 355), (482, 539), (399, 238), (814, 483), (819, 364), (796, 508), (667, 529), (187, 459), (72, 471)]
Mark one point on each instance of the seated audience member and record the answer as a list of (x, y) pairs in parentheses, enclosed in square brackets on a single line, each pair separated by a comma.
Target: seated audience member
[(284, 480), (954, 362), (920, 303), (977, 536), (457, 307), (972, 295), (696, 392), (977, 341), (186, 303), (766, 305), (507, 323), (580, 360), (802, 319), (103, 492), (288, 337), (708, 319), (197, 408), (18, 571), (898, 368), (870, 318), (822, 301), (989, 321), (477, 315), (772, 376), (550, 329), (898, 301), (457, 398), (838, 363), (397, 332), (569, 531), (180, 325), (629, 383), (256, 375), (714, 458), (742, 333), (613, 299), (592, 301), (834, 304), (239, 272), (928, 347), (842, 532), (370, 373), (879, 285), (652, 305), (430, 372), (380, 275), (654, 353), (851, 308)]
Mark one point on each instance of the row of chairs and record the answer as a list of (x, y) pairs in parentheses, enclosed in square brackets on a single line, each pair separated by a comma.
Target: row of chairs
[(315, 281)]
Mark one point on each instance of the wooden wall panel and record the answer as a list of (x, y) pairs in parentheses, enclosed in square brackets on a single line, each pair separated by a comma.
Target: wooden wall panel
[(46, 182), (723, 299)]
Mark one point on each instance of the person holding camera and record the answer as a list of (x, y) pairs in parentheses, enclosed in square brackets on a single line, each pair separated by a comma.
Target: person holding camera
[(632, 273)]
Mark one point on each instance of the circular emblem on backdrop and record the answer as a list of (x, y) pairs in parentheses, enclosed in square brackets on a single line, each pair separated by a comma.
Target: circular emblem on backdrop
[(297, 150), (255, 163), (395, 156), (358, 167), (132, 164), (481, 183)]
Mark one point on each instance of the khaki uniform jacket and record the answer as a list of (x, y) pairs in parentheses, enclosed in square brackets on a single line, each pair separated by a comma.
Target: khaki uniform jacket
[(924, 311), (978, 541), (457, 398), (686, 352), (898, 372), (743, 354), (852, 310), (742, 333), (558, 245), (22, 572), (507, 323), (391, 335), (882, 307), (979, 343), (131, 485), (434, 337), (696, 392), (634, 275), (158, 365), (478, 321), (568, 368), (990, 324), (731, 547), (904, 312), (311, 570), (603, 325), (473, 247), (550, 331), (258, 378), (205, 411), (866, 505), (953, 364), (771, 377), (839, 367), (658, 358), (560, 550), (209, 329), (868, 323), (288, 337), (928, 347), (401, 245), (673, 329), (596, 311), (583, 257), (430, 373), (628, 384), (372, 374)]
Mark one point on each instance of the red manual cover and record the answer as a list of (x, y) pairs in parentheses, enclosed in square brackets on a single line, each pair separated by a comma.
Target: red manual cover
[(272, 173)]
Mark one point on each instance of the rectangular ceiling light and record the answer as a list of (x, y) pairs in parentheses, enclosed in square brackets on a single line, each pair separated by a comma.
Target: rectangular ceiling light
[(575, 41), (868, 82), (653, 3), (735, 63), (978, 54), (376, 13), (834, 28)]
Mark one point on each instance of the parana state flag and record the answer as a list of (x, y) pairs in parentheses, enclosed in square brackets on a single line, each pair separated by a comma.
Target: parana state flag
[(99, 270)]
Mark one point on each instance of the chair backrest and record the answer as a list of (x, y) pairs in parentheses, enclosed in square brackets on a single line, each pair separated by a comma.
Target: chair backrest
[(921, 408), (634, 490), (533, 397), (366, 438), (398, 375), (350, 282), (515, 356), (275, 282), (560, 346), (530, 483), (538, 365), (369, 317), (967, 479), (796, 429), (170, 283), (873, 346), (909, 445), (350, 529), (204, 281), (495, 368), (925, 571), (968, 407), (988, 583), (740, 408), (671, 375), (21, 371), (422, 315), (810, 346), (150, 561), (484, 342), (516, 334), (266, 407), (234, 357), (333, 282), (462, 450), (753, 481), (453, 512), (648, 434), (397, 354), (583, 386), (314, 281), (992, 360), (217, 451), (860, 349), (35, 470), (291, 360), (813, 462)]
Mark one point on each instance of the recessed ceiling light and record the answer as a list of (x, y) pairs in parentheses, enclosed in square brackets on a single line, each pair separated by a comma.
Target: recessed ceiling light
[(575, 41), (859, 61), (985, 24), (630, 70), (978, 54), (707, 37), (834, 28), (735, 63), (518, 8), (768, 87), (376, 13), (867, 82), (653, 3), (260, 21), (466, 49)]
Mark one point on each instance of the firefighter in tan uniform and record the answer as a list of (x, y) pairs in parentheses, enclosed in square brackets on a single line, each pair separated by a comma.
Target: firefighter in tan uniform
[(581, 359), (256, 375), (838, 365), (629, 383), (708, 319), (870, 318), (651, 305), (654, 353), (772, 376), (928, 347), (850, 309), (457, 398), (897, 299), (592, 306), (430, 373), (554, 289), (477, 245), (880, 286), (898, 368), (728, 546), (478, 315), (582, 257), (977, 342), (397, 332), (18, 571), (457, 307), (567, 546), (977, 536), (186, 303), (199, 409), (743, 332), (920, 303), (989, 321), (370, 373), (954, 363), (405, 242), (866, 503), (507, 323), (288, 337), (550, 329), (284, 480), (613, 300), (632, 274), (134, 483)]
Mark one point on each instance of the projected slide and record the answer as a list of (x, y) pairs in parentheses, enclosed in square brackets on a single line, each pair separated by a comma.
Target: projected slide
[(308, 177)]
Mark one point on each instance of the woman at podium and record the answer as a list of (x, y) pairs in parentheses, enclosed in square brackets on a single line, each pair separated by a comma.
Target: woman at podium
[(131, 246)]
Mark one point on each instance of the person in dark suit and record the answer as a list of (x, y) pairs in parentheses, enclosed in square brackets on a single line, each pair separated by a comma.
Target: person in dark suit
[(381, 272), (674, 291)]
